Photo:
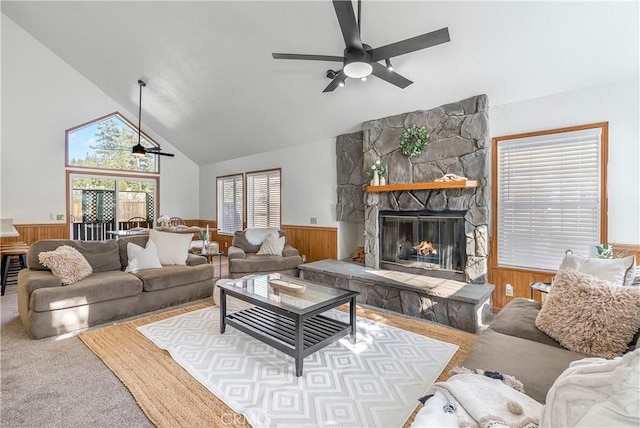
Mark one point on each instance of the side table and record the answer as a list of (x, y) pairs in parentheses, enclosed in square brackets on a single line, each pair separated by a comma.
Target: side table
[(542, 287), (210, 256)]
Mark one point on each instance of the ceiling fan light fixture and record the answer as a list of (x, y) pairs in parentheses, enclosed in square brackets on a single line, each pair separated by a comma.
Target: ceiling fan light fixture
[(358, 69), (341, 84), (388, 64), (138, 150), (364, 79)]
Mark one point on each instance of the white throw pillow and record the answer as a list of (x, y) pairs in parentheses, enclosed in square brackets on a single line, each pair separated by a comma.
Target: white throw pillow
[(620, 271), (272, 246), (142, 258), (257, 235), (173, 248)]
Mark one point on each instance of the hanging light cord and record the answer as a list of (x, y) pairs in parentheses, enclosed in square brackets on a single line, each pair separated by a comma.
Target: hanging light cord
[(141, 83), (359, 29)]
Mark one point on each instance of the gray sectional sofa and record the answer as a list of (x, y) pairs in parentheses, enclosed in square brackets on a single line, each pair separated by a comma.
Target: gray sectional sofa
[(513, 345), (47, 308)]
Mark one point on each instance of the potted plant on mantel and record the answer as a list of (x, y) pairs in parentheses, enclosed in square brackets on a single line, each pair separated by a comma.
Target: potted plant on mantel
[(377, 173)]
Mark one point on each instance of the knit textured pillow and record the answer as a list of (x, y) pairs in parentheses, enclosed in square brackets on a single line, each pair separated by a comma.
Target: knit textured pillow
[(272, 246), (66, 263), (590, 315)]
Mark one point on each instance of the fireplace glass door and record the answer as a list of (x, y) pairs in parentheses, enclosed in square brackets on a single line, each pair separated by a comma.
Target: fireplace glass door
[(423, 242)]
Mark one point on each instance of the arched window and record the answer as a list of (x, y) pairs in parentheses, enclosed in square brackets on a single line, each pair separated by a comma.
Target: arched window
[(109, 186), (105, 143)]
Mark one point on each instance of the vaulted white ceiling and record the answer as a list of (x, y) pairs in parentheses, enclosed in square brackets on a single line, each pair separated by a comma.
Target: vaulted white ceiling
[(214, 91)]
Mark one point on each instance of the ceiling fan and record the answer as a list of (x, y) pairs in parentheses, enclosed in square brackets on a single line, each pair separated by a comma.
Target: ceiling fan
[(139, 149), (359, 59)]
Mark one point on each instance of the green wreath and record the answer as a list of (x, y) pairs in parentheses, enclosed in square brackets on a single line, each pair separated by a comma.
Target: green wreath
[(413, 140)]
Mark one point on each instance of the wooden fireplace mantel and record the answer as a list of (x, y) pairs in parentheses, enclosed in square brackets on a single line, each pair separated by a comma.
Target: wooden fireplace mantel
[(462, 184)]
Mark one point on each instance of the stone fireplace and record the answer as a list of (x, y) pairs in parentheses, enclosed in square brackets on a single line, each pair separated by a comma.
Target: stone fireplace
[(458, 144), (425, 242)]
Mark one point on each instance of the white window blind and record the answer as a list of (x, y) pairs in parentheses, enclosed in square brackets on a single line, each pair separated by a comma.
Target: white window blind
[(230, 206), (548, 198), (263, 199)]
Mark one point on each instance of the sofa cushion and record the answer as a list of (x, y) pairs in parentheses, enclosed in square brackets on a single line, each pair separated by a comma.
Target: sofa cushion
[(518, 318), (66, 263), (173, 248), (98, 287), (142, 258), (590, 315), (255, 263), (140, 240), (103, 256), (535, 364), (173, 276), (240, 241)]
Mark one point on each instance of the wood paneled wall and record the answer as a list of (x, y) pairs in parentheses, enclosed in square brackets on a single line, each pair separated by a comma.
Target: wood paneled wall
[(521, 278), (30, 233), (316, 243)]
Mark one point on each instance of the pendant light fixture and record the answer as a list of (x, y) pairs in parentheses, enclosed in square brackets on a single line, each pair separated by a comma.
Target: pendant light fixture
[(139, 149)]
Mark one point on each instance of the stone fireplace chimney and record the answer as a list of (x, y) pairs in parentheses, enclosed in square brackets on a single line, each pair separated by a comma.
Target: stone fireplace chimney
[(459, 144)]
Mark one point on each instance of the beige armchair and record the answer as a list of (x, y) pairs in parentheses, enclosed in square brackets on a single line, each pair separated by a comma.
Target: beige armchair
[(244, 260)]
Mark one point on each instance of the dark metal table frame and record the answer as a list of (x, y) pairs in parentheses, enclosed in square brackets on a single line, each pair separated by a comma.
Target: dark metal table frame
[(298, 332)]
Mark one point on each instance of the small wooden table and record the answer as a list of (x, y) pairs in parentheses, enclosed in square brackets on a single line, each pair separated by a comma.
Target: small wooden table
[(210, 255), (542, 287)]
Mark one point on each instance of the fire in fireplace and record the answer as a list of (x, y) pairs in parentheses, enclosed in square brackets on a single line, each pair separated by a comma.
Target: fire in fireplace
[(423, 242)]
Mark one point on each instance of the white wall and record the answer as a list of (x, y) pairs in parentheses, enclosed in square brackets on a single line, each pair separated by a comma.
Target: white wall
[(309, 172), (308, 181), (42, 96), (616, 103)]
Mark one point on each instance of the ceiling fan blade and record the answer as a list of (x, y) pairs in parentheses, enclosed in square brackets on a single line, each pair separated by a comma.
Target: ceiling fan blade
[(157, 151), (162, 154), (348, 24), (411, 45), (383, 73), (308, 57), (336, 81)]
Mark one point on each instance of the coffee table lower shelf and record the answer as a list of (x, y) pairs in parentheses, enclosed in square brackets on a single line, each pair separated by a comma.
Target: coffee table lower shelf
[(282, 333)]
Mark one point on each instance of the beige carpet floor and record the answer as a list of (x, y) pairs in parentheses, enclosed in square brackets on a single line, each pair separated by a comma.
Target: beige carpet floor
[(170, 397)]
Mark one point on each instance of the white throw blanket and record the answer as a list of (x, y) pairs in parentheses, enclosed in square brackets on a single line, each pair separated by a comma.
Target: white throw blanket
[(477, 401), (257, 235), (595, 392)]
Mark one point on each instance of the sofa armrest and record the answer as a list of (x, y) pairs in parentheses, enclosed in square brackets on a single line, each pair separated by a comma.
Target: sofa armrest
[(289, 251), (30, 280), (195, 260), (236, 253)]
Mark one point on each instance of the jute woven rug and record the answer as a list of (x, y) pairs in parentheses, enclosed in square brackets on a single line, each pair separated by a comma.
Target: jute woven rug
[(170, 397)]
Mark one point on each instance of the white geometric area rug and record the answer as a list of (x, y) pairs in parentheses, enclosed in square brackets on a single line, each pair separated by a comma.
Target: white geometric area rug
[(373, 383)]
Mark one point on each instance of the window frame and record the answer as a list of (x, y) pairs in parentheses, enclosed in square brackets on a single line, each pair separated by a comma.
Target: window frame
[(217, 202), (100, 119), (603, 205), (258, 173), (70, 174)]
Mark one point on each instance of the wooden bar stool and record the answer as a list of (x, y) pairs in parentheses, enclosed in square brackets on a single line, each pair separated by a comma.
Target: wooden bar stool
[(8, 250)]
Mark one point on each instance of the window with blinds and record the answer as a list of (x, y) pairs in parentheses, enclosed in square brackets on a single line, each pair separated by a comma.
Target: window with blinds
[(550, 196), (229, 207), (263, 199)]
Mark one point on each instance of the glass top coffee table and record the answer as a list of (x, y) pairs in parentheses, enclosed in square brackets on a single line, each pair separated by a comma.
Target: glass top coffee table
[(288, 313)]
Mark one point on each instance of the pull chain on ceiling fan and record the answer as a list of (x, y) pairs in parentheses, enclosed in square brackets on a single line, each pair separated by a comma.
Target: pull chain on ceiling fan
[(361, 60), (139, 149)]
